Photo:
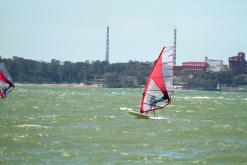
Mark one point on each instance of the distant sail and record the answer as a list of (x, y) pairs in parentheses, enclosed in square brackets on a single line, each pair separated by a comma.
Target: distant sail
[(6, 84), (159, 86), (4, 75)]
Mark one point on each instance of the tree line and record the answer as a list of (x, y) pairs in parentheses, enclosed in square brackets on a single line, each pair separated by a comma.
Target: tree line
[(116, 75), (131, 74), (210, 80)]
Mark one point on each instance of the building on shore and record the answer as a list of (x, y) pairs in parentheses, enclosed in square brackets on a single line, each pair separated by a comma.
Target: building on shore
[(192, 66), (214, 65), (226, 67), (238, 63), (177, 69)]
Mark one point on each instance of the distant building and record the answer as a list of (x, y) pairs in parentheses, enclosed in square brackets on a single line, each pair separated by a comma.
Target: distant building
[(214, 65), (238, 63), (177, 69), (195, 66)]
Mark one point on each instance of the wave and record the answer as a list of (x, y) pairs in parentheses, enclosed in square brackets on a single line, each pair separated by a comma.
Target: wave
[(159, 118), (125, 109), (203, 98), (31, 126)]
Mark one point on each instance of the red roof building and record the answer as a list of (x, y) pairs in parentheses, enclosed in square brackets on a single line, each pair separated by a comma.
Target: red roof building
[(238, 63), (195, 66)]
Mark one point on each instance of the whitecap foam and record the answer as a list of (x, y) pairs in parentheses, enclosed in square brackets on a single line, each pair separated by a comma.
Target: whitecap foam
[(196, 98), (159, 118), (227, 126), (112, 116), (48, 116), (124, 153), (66, 154), (189, 111), (125, 109), (31, 126)]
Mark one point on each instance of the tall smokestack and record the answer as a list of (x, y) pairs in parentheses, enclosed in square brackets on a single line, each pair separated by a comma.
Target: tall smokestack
[(174, 44), (107, 45)]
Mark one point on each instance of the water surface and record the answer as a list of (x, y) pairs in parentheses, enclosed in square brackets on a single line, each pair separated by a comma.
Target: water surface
[(65, 125)]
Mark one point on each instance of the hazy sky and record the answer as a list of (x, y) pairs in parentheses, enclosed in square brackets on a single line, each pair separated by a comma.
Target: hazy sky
[(75, 30)]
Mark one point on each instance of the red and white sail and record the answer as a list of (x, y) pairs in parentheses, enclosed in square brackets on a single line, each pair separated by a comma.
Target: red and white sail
[(159, 86), (5, 78)]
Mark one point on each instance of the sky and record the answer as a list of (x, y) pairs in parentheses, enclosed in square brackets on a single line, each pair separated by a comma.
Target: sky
[(75, 30)]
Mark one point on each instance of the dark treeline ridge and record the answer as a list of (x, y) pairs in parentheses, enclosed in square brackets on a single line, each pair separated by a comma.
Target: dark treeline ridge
[(210, 80), (131, 74), (116, 75)]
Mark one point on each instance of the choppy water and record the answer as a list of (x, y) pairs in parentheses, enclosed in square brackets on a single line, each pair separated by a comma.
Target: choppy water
[(61, 125)]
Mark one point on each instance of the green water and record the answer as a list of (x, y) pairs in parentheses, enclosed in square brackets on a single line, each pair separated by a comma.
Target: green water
[(62, 125)]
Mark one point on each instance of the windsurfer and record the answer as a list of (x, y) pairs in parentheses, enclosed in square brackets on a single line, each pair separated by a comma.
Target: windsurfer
[(153, 101), (159, 86), (6, 84)]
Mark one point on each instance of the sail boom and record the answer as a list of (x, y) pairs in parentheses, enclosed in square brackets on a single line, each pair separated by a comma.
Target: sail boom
[(158, 108), (152, 90)]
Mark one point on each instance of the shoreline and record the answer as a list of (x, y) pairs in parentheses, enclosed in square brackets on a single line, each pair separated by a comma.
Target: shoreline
[(95, 85), (81, 85)]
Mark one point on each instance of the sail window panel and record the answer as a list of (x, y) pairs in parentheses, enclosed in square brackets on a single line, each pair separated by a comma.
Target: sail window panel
[(169, 85), (167, 70), (3, 84), (146, 107), (152, 91), (168, 56), (168, 77)]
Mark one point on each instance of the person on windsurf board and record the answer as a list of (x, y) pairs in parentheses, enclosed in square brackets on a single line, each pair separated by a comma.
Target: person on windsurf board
[(6, 84), (159, 86)]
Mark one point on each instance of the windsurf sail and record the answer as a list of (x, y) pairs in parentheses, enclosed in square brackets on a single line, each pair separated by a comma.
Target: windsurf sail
[(159, 86), (6, 84)]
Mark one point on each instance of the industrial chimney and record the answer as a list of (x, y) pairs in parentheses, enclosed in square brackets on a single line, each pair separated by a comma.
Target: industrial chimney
[(107, 45), (174, 44)]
